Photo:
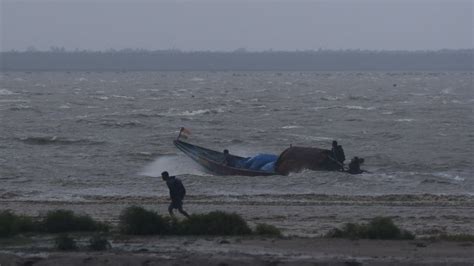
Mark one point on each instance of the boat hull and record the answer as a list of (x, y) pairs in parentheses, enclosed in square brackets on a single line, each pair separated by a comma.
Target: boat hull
[(212, 161)]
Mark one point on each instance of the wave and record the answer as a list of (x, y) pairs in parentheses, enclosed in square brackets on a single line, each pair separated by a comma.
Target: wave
[(172, 112), (124, 97), (434, 181), (54, 140), (133, 123), (175, 165), (290, 127), (15, 101), (405, 120), (6, 92), (20, 107), (290, 199), (330, 98), (356, 107)]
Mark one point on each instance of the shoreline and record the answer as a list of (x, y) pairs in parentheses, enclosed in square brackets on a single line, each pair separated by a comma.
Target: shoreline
[(193, 250)]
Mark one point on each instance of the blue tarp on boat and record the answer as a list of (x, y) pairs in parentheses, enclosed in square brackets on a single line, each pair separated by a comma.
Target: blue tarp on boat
[(264, 162)]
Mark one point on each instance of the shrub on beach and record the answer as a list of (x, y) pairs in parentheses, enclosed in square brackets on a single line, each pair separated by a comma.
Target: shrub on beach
[(65, 242), (377, 228), (60, 221), (12, 224), (215, 223), (139, 221), (99, 243), (268, 230)]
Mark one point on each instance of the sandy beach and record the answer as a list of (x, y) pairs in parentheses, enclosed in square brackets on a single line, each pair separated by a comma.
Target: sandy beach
[(305, 215), (302, 222), (253, 251)]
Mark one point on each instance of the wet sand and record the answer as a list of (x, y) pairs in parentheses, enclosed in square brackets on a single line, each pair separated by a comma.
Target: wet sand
[(255, 251)]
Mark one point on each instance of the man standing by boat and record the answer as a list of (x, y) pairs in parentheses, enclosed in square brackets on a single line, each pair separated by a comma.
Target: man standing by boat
[(337, 154), (177, 192)]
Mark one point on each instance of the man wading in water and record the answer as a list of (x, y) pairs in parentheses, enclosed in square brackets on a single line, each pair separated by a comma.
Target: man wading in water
[(177, 192)]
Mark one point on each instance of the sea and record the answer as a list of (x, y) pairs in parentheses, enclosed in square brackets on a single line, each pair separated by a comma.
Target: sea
[(91, 136)]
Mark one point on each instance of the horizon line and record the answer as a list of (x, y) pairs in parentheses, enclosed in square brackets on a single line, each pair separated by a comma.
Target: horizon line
[(55, 49)]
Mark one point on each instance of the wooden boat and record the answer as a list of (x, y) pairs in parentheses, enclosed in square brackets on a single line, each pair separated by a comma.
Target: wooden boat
[(291, 160), (213, 161)]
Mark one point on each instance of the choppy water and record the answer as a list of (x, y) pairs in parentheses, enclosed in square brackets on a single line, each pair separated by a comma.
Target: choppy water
[(75, 136)]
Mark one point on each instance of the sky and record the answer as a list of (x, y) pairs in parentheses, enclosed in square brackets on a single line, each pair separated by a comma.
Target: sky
[(226, 25)]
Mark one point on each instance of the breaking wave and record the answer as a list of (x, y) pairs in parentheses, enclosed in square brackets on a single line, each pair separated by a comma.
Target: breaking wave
[(54, 140), (6, 92)]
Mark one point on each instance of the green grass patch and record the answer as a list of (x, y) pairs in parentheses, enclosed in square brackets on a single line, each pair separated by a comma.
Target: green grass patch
[(215, 223), (60, 221), (377, 228), (267, 230), (12, 224), (139, 221)]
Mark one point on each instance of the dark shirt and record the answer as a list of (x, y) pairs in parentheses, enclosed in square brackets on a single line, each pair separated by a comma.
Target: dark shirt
[(338, 154), (176, 187), (354, 167)]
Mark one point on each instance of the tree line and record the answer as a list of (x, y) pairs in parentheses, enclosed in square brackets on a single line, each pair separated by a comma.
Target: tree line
[(59, 59)]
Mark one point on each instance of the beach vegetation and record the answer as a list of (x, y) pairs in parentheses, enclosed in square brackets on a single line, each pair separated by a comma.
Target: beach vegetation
[(99, 243), (377, 228), (12, 224), (136, 220), (65, 242), (215, 223), (60, 221), (267, 230)]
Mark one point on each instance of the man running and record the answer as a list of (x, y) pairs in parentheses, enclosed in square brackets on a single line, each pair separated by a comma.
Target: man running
[(177, 192)]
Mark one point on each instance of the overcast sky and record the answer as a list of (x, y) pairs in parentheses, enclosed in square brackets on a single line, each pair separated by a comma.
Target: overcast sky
[(230, 24)]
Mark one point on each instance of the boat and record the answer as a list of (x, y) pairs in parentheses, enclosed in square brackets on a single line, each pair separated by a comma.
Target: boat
[(291, 160), (212, 160)]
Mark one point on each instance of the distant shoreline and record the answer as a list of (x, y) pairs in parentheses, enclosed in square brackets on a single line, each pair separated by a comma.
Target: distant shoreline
[(171, 60)]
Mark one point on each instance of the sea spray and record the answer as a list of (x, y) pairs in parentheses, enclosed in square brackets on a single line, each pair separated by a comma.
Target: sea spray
[(175, 165)]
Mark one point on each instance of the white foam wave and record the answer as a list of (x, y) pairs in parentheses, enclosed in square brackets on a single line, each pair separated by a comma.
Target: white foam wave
[(172, 112), (323, 107), (197, 79), (405, 120), (329, 98), (124, 97), (357, 107), (103, 98), (175, 165), (451, 176), (6, 92), (447, 91), (196, 112), (290, 127)]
